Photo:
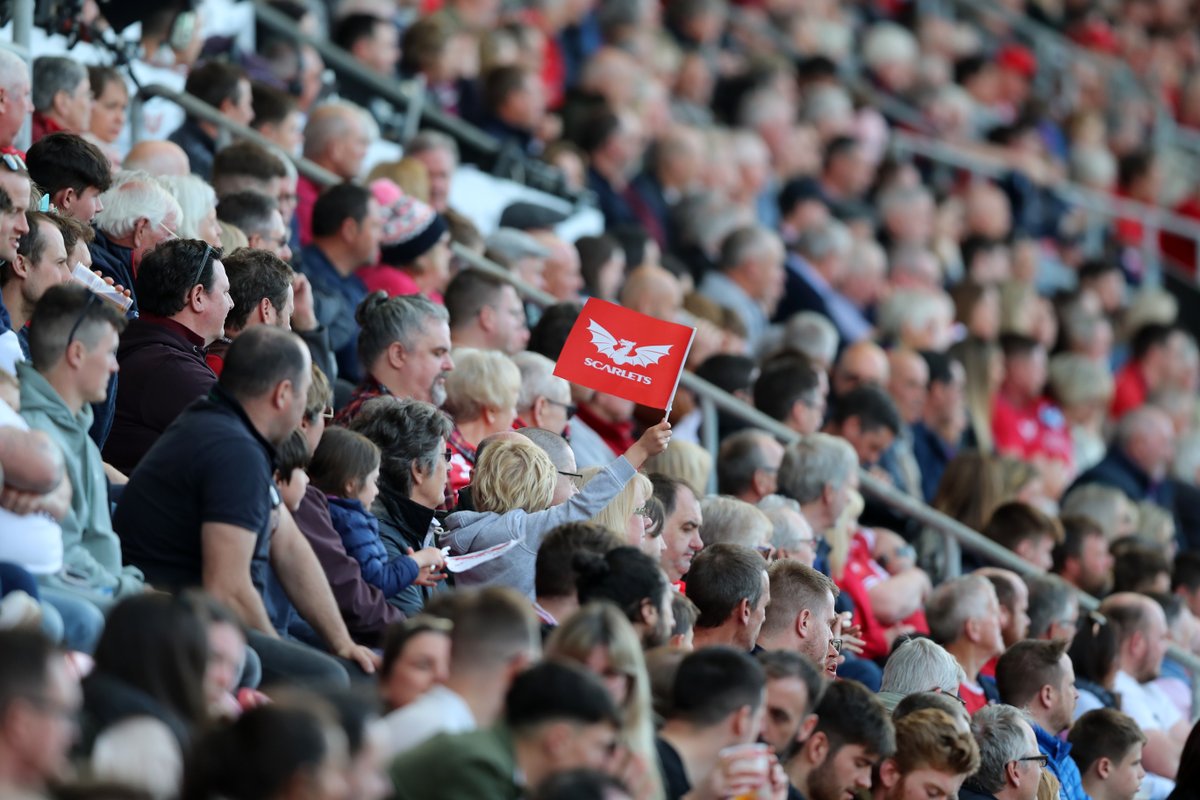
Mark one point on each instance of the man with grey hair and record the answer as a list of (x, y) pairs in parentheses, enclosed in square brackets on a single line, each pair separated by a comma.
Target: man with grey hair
[(404, 349), (812, 335), (964, 618), (1053, 608), (1139, 460), (439, 153), (919, 665), (15, 101), (336, 137), (748, 465), (137, 215), (733, 521), (62, 96), (519, 253), (791, 536), (561, 456), (749, 279), (545, 398), (818, 471), (816, 267), (486, 313), (1010, 764)]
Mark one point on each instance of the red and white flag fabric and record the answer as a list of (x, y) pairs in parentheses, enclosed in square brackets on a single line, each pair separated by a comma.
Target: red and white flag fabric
[(621, 352)]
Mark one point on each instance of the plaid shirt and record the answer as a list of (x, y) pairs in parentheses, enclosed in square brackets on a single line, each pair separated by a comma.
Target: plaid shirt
[(462, 460), (369, 389)]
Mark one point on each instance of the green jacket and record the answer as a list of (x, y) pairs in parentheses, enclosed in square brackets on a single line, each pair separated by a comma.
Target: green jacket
[(480, 765), (91, 550)]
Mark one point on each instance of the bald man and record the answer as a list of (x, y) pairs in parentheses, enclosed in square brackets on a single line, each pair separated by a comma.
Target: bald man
[(563, 274), (158, 157), (336, 137), (861, 363), (653, 291)]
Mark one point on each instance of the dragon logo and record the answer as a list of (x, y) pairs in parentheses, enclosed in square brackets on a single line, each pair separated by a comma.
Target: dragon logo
[(623, 351)]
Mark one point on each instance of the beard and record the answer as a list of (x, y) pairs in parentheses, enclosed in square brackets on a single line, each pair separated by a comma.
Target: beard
[(437, 392), (823, 783)]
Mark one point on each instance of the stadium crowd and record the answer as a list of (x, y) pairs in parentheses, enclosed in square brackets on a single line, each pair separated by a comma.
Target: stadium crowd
[(295, 506)]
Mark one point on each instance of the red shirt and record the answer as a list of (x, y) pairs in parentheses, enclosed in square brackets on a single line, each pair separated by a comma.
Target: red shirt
[(617, 435), (393, 280), (462, 460), (863, 572), (972, 694), (1129, 390), (1036, 429), (307, 193), (43, 126)]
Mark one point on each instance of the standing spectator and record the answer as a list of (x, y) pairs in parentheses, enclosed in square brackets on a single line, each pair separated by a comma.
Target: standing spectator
[(800, 616), (933, 755), (73, 347), (729, 584), (225, 88), (964, 618), (185, 299), (1009, 761), (336, 137), (346, 226), (62, 96), (1107, 748), (137, 215), (72, 171), (39, 697), (1038, 677), (681, 525)]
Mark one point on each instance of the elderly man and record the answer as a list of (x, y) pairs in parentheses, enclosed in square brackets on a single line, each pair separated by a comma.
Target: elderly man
[(336, 137), (62, 96), (439, 153), (545, 398), (750, 279), (1139, 460), (15, 101), (519, 253), (748, 465), (653, 291), (964, 618), (157, 157), (1009, 761), (817, 471), (791, 536), (138, 214), (919, 665)]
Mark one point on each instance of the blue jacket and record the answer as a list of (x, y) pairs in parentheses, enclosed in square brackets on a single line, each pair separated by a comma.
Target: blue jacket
[(359, 530), (336, 298), (1061, 764)]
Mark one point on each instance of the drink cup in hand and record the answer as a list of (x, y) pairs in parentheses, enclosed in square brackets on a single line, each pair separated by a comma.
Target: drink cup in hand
[(746, 769), (96, 285)]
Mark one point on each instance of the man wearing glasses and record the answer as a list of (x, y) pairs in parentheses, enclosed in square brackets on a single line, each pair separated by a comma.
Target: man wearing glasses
[(1010, 763)]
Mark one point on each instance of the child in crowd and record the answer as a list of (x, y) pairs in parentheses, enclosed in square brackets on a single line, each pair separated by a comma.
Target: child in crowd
[(346, 467), (291, 459)]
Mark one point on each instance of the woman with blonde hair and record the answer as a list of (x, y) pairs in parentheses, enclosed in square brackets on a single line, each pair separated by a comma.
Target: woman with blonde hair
[(984, 369), (687, 462), (1083, 389), (410, 174), (600, 638), (513, 488), (627, 515), (481, 398)]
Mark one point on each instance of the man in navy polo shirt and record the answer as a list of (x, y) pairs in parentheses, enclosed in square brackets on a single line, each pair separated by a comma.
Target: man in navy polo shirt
[(201, 509)]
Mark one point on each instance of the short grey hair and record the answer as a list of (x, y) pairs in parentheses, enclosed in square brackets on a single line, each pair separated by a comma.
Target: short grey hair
[(12, 68), (135, 195), (826, 102), (747, 243), (818, 242), (784, 535), (731, 521), (921, 665), (54, 74), (333, 120), (1000, 732), (383, 320), (552, 445), (888, 43), (1098, 502), (914, 309), (195, 198), (1187, 458), (813, 462), (538, 380), (1093, 166), (1076, 379), (1051, 600), (507, 246), (813, 335), (955, 602), (426, 141)]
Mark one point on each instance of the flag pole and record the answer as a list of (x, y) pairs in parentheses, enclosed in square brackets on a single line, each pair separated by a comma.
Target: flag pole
[(687, 352)]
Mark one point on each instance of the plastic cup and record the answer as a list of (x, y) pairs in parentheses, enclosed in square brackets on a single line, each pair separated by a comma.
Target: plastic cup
[(97, 285), (752, 763)]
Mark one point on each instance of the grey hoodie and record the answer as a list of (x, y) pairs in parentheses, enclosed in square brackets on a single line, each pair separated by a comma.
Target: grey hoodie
[(472, 531)]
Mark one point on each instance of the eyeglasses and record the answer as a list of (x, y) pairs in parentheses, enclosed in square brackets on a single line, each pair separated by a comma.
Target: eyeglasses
[(170, 233), (570, 408), (92, 300), (959, 698), (327, 414), (575, 476), (449, 454), (14, 162), (1041, 758), (836, 644), (644, 511)]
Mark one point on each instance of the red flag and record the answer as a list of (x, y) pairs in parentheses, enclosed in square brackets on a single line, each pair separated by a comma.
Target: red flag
[(621, 352)]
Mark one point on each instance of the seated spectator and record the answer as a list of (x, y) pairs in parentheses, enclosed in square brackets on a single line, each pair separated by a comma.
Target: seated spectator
[(228, 664), (403, 349), (545, 399), (1139, 459), (336, 137), (137, 214), (556, 569), (514, 106), (62, 96), (260, 286), (373, 42), (964, 618), (146, 694), (416, 658), (1107, 506), (791, 536), (519, 253), (1155, 351), (1013, 595), (612, 142), (224, 87), (481, 398), (818, 470), (1083, 387), (731, 521), (1094, 654), (184, 294), (439, 153), (1139, 567), (717, 703), (277, 117), (1009, 761), (73, 343), (16, 86), (628, 515), (868, 419), (413, 473), (226, 531), (938, 435), (800, 616), (1082, 559), (633, 582), (414, 255), (41, 263), (681, 525), (1026, 531), (561, 456), (35, 744), (345, 236), (748, 465), (750, 279), (156, 158), (486, 312), (198, 202), (249, 167), (546, 705), (794, 688), (1107, 748), (345, 466), (1141, 633), (729, 585), (853, 735), (919, 665), (932, 753), (1185, 580), (687, 461), (513, 487), (72, 171), (563, 275), (1039, 678), (493, 638), (257, 215), (1053, 609)]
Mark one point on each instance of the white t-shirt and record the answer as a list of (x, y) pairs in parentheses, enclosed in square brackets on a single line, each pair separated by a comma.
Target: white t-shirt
[(33, 541), (440, 710), (1146, 703)]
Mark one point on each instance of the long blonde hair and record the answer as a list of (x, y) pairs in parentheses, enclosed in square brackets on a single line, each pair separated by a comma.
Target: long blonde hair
[(615, 516), (684, 461), (977, 356), (602, 624), (839, 536)]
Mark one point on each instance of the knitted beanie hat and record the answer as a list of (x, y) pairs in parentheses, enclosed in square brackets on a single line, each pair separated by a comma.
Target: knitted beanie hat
[(410, 228)]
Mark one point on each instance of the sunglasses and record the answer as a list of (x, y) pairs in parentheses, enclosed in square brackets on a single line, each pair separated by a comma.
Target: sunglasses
[(449, 455), (14, 162), (208, 251), (570, 408), (92, 300)]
